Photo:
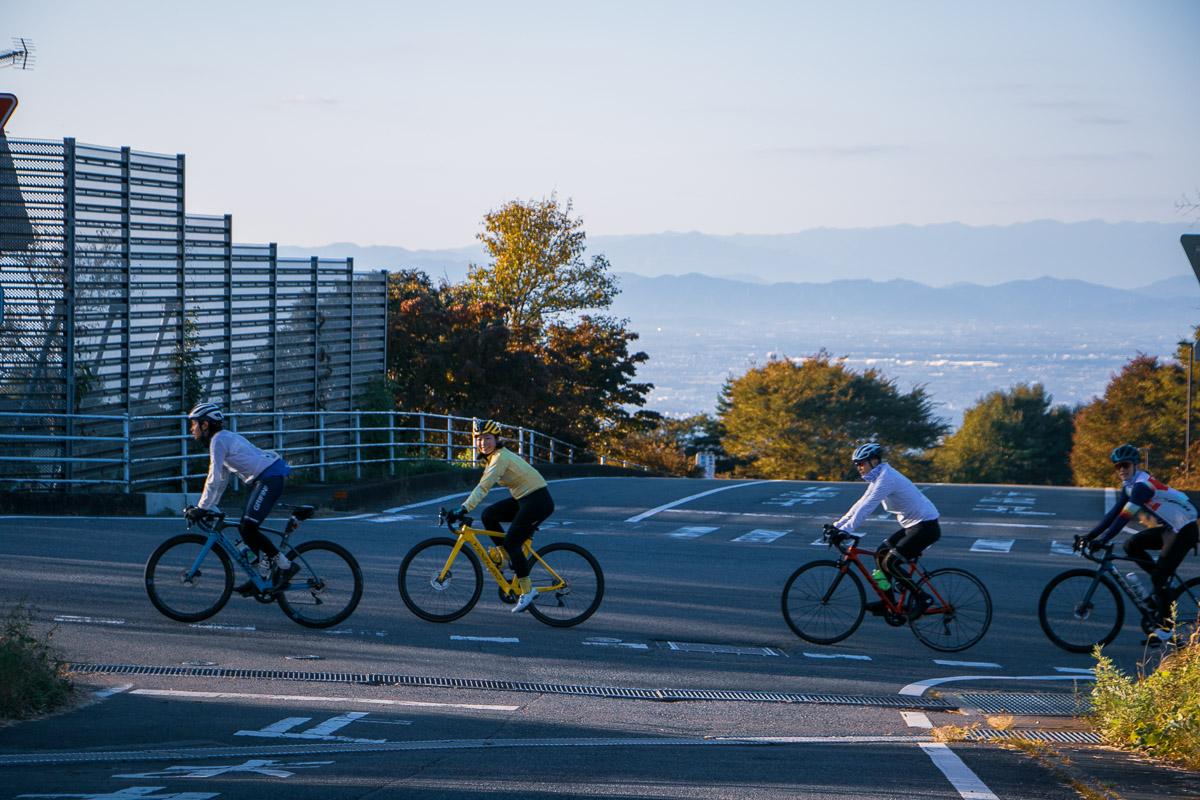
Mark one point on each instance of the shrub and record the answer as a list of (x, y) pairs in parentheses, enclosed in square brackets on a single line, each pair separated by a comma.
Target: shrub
[(31, 678), (1158, 713)]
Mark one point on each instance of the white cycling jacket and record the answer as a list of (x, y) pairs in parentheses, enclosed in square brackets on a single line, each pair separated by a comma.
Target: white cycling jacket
[(229, 452), (897, 493)]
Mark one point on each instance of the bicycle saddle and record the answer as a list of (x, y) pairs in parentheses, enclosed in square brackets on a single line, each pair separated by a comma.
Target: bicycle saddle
[(302, 513)]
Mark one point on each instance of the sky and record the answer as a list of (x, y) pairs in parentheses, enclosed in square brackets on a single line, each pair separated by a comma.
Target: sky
[(403, 123)]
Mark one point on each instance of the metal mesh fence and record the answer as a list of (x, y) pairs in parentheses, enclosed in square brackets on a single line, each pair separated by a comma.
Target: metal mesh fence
[(117, 305)]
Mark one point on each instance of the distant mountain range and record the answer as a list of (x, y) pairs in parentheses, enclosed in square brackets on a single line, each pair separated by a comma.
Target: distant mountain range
[(1123, 255), (957, 309)]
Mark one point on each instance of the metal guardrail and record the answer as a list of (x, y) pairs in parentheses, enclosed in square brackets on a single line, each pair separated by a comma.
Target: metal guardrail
[(133, 453)]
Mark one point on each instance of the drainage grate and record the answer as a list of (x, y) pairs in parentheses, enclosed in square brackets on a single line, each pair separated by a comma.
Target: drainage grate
[(1053, 705), (1064, 737), (378, 679)]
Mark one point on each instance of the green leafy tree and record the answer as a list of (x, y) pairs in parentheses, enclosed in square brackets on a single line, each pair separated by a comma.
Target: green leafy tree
[(1012, 436), (1143, 405), (538, 269), (800, 420)]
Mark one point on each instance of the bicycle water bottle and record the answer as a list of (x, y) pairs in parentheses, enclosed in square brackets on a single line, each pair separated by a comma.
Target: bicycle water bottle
[(248, 554), (1135, 583), (498, 556), (881, 580)]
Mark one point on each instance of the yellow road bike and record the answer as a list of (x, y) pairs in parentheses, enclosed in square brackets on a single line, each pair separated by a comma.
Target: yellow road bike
[(441, 579)]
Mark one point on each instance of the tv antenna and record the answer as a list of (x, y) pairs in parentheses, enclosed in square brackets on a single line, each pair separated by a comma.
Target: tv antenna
[(20, 55)]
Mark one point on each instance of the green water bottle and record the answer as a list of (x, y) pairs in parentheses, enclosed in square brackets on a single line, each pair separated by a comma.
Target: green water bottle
[(881, 580)]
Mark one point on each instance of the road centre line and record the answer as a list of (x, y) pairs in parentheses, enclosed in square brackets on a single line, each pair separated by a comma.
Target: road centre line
[(501, 639), (682, 500), (306, 698), (965, 782), (917, 689)]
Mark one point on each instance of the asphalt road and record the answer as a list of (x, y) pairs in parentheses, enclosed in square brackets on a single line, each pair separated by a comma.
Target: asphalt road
[(694, 571)]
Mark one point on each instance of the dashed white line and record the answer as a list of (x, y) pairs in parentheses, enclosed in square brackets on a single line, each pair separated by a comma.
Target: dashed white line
[(500, 639), (89, 620), (916, 719), (965, 782), (979, 664), (836, 655)]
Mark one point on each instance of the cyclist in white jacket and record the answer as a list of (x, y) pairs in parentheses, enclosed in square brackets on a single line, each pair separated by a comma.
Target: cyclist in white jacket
[(918, 518), (263, 471)]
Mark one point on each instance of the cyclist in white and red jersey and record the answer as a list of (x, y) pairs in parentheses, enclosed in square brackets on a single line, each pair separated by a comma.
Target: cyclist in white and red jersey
[(1175, 534)]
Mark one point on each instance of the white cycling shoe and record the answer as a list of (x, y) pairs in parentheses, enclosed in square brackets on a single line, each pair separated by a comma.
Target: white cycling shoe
[(524, 601)]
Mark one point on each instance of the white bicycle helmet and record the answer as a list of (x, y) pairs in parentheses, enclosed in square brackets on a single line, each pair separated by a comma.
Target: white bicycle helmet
[(206, 412), (866, 452)]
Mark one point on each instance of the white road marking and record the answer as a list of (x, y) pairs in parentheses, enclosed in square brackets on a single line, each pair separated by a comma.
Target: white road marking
[(89, 620), (207, 626), (917, 689), (1075, 670), (993, 545), (109, 692), (690, 532), (390, 518), (979, 664), (501, 639), (261, 766), (308, 698), (323, 730), (836, 655), (630, 645), (682, 500), (761, 536), (965, 782), (916, 719), (1060, 549)]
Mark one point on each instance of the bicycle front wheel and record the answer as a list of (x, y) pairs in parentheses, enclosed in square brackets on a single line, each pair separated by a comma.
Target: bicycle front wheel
[(569, 584), (1079, 610), (428, 593), (822, 603), (959, 615), (183, 584), (327, 588)]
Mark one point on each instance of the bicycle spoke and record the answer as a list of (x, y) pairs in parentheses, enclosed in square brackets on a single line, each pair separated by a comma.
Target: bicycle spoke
[(184, 586), (821, 604), (569, 583), (327, 588), (960, 614), (433, 592)]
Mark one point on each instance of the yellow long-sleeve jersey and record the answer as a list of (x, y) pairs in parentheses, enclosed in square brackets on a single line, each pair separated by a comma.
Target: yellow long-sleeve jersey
[(507, 470)]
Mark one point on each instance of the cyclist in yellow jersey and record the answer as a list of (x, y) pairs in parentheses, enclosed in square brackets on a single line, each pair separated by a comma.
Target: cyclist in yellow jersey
[(529, 506)]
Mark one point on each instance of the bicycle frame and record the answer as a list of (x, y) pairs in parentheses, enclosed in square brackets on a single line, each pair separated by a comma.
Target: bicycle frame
[(1106, 565), (852, 553), (216, 536), (470, 536)]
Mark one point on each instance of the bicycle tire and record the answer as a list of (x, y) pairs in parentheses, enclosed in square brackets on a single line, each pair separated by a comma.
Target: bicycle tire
[(959, 615), (1071, 627), (580, 593), (327, 588), (197, 598), (1187, 609), (446, 601), (822, 603)]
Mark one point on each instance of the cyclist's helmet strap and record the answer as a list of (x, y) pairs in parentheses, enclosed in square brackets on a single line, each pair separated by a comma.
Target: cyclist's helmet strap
[(480, 427), (1126, 452), (866, 452), (206, 412)]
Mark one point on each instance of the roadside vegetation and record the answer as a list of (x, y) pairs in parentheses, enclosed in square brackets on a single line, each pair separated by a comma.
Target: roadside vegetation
[(31, 674), (1156, 713)]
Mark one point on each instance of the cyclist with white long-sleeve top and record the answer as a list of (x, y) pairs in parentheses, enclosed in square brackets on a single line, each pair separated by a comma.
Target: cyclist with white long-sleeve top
[(918, 519), (263, 471)]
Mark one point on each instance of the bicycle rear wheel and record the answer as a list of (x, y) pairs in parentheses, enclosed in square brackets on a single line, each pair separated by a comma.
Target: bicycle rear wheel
[(822, 604), (959, 615), (1187, 609), (440, 600), (1077, 624), (184, 586), (327, 588), (577, 590)]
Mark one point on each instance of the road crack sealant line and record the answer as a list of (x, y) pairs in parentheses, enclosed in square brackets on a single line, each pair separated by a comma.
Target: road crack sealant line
[(329, 748), (616, 692)]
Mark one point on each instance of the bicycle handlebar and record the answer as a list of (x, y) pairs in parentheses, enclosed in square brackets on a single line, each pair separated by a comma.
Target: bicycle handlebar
[(448, 518)]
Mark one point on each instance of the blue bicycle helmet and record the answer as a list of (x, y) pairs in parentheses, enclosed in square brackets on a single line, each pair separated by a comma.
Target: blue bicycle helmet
[(866, 452), (1126, 452)]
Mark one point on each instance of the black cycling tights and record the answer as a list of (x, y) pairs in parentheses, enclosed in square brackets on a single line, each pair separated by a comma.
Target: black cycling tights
[(264, 493), (525, 515), (1172, 546), (910, 543)]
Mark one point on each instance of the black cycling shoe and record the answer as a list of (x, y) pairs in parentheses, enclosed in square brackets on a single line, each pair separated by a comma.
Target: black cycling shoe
[(283, 578), (877, 608), (919, 605)]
